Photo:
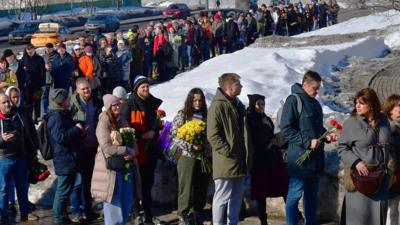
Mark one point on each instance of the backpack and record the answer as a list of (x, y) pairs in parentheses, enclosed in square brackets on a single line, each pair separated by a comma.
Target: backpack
[(45, 147), (279, 114), (283, 143)]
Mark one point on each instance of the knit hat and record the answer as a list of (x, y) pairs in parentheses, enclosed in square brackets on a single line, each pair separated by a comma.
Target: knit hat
[(7, 53), (108, 100), (217, 16), (77, 47), (119, 92), (139, 80), (62, 45), (58, 95)]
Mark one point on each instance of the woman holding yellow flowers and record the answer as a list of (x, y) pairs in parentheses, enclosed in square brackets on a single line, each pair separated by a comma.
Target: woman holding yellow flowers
[(193, 179), (7, 77)]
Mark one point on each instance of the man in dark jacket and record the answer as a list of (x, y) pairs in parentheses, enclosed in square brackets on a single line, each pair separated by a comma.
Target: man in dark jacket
[(302, 131), (232, 34), (62, 68), (13, 164), (231, 152), (31, 75), (85, 109), (140, 112), (65, 140)]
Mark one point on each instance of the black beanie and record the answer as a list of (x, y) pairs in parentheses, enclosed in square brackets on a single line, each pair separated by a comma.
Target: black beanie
[(138, 81)]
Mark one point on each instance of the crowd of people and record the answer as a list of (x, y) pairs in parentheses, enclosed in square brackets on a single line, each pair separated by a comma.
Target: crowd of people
[(82, 98)]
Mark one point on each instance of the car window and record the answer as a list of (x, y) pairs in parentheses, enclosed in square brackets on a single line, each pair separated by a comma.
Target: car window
[(173, 6), (97, 17)]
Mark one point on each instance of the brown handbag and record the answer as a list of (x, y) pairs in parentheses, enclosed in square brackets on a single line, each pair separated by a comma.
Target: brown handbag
[(368, 185)]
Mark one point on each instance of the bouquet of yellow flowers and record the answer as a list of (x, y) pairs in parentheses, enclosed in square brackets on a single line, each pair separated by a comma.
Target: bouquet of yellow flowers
[(194, 132)]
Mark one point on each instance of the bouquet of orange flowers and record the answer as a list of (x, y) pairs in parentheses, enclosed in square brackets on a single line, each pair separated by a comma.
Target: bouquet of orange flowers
[(333, 128)]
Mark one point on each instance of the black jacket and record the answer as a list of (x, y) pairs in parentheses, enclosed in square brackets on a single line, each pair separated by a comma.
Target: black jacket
[(31, 73)]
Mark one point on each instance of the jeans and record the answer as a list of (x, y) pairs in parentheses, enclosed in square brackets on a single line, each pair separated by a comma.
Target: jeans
[(189, 49), (65, 186), (206, 49), (228, 193), (393, 211), (45, 101), (117, 212), (310, 187), (76, 197), (17, 169)]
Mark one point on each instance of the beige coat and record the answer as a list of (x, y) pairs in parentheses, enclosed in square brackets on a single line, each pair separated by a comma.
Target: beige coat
[(103, 180)]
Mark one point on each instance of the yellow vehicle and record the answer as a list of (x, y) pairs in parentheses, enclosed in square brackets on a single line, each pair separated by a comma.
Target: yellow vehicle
[(51, 33)]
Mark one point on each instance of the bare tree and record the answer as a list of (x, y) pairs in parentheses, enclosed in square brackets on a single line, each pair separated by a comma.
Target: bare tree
[(16, 6)]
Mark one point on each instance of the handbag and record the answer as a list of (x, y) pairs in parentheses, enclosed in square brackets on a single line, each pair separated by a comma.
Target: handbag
[(114, 162), (370, 184)]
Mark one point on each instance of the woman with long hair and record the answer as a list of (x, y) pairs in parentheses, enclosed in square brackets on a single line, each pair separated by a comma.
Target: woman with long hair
[(364, 147), (193, 182), (113, 187)]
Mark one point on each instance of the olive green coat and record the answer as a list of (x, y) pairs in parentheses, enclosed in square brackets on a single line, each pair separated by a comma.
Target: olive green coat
[(228, 137)]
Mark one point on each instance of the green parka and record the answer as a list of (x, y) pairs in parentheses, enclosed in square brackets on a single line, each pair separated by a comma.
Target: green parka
[(228, 137)]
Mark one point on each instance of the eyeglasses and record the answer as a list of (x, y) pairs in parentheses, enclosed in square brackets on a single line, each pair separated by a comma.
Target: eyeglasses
[(116, 105)]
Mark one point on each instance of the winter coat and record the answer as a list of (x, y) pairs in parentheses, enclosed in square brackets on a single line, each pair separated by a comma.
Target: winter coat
[(124, 59), (218, 29), (109, 65), (299, 130), (31, 74), (138, 57), (141, 115), (228, 136), (64, 138), (86, 66), (159, 40), (103, 180), (261, 129), (354, 146), (394, 191), (48, 59), (176, 41), (232, 31), (14, 148), (61, 72)]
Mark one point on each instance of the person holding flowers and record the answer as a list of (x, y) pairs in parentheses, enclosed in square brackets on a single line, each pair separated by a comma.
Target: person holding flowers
[(268, 173), (302, 131), (141, 111), (114, 187), (193, 179), (364, 147)]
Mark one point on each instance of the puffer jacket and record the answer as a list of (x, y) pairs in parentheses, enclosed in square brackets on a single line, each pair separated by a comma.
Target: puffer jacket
[(103, 180)]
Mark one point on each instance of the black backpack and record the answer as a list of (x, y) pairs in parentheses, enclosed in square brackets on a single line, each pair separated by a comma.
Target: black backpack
[(44, 144), (167, 50)]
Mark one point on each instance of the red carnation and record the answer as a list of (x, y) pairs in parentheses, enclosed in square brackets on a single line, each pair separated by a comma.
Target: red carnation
[(332, 122), (160, 113)]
